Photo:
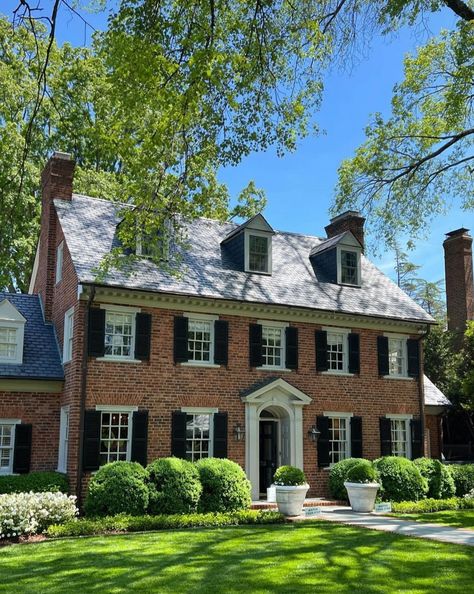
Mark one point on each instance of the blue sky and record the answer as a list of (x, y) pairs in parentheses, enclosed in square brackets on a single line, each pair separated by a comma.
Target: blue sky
[(300, 186)]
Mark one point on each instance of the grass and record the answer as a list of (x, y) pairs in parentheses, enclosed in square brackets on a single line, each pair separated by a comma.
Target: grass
[(456, 519), (311, 556)]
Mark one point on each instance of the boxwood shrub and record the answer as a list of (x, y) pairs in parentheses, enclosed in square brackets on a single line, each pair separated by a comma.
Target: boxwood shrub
[(432, 505), (363, 472), (338, 476), (36, 482), (440, 480), (463, 475), (289, 476), (401, 480), (118, 487), (174, 486), (225, 487)]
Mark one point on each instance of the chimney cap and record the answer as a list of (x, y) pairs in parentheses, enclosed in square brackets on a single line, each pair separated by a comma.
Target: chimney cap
[(457, 232), (346, 215), (63, 156)]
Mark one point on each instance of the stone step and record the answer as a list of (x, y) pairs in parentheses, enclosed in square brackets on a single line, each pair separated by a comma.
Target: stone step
[(312, 502)]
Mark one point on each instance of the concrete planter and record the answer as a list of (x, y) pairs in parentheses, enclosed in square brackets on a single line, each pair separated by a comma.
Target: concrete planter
[(290, 499), (362, 496)]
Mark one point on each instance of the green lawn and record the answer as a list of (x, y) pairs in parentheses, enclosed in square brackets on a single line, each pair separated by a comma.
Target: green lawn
[(457, 519), (306, 557)]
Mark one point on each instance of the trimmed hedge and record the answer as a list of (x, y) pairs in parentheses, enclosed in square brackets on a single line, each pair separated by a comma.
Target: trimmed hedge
[(432, 505), (118, 487), (440, 482), (174, 486), (289, 476), (225, 488), (124, 523), (463, 475), (36, 482), (338, 476), (401, 480), (363, 472)]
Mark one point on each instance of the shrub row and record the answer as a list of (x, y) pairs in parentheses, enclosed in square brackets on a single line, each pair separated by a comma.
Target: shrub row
[(463, 475), (127, 523), (36, 482), (432, 505)]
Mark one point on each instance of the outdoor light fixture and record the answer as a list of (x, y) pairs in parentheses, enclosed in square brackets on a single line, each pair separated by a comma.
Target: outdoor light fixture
[(239, 432), (314, 433)]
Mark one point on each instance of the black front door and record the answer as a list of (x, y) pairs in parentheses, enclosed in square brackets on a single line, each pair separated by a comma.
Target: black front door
[(268, 453)]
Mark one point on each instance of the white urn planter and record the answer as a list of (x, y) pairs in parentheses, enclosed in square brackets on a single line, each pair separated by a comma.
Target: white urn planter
[(290, 500), (362, 496)]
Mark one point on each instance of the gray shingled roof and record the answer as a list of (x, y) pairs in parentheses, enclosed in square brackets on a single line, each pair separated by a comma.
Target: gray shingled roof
[(433, 395), (41, 358), (89, 227)]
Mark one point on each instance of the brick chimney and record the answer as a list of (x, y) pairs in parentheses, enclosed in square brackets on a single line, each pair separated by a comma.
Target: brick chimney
[(459, 281), (56, 183), (351, 220)]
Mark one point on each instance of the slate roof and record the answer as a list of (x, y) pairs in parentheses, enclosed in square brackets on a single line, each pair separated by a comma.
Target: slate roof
[(41, 358), (89, 227), (328, 243), (433, 395)]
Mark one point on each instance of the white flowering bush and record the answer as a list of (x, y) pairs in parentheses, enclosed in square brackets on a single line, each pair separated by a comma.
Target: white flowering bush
[(469, 495), (32, 513)]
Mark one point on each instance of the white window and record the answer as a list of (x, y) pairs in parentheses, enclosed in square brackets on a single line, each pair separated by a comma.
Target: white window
[(200, 341), (7, 443), (339, 436), (8, 344), (258, 252), (119, 334), (273, 346), (400, 436), (59, 262), (348, 266), (12, 332), (199, 436), (397, 357), (337, 351), (115, 436), (68, 335), (63, 439)]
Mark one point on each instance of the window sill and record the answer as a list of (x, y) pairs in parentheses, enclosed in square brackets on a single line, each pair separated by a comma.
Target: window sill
[(338, 373), (279, 369), (200, 365), (118, 360), (399, 377)]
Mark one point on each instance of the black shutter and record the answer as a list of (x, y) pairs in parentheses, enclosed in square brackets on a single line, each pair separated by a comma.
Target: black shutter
[(142, 336), (354, 353), (221, 342), (291, 335), (181, 352), (356, 437), (255, 345), (322, 423), (382, 355), (220, 435), (139, 437), (91, 445), (96, 332), (22, 450), (385, 437), (321, 350), (416, 439), (413, 352), (178, 434)]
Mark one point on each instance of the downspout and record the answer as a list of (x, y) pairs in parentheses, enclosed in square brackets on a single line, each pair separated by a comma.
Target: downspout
[(82, 402), (421, 389)]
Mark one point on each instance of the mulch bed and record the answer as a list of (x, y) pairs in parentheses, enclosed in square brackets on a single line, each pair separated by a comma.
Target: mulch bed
[(6, 542)]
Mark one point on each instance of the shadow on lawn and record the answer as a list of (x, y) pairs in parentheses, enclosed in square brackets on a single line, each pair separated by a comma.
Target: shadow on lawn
[(314, 556)]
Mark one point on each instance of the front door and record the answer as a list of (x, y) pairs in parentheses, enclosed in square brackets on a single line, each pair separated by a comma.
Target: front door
[(268, 454)]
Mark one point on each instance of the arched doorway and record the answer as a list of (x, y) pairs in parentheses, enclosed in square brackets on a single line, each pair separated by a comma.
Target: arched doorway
[(274, 444)]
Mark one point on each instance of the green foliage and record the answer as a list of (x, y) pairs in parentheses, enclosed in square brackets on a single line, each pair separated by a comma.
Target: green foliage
[(432, 505), (338, 476), (463, 475), (38, 482), (174, 485), (118, 487), (124, 523), (289, 476), (401, 480), (363, 472), (440, 480), (225, 487)]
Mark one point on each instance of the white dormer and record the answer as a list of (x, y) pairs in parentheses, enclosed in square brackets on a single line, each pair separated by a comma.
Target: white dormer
[(348, 260), (12, 332)]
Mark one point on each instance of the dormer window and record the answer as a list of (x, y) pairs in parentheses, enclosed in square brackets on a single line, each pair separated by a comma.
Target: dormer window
[(12, 328), (349, 267), (258, 253)]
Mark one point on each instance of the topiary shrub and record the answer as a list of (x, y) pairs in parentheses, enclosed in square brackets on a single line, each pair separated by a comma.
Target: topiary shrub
[(289, 476), (117, 488), (36, 482), (440, 482), (401, 480), (174, 485), (463, 476), (225, 488), (338, 476), (363, 472)]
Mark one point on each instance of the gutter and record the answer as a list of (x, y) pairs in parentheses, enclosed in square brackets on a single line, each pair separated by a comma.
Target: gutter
[(421, 389)]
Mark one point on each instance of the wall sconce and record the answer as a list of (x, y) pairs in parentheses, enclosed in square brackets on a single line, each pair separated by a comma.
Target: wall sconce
[(314, 433), (239, 432)]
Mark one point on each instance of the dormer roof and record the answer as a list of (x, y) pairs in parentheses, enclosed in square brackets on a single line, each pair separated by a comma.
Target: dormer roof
[(346, 238), (257, 223), (9, 313)]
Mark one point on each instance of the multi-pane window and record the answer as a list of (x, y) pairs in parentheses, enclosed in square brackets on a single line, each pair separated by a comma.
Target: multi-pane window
[(396, 356), (338, 439), (258, 253), (63, 439), (119, 334), (68, 335), (200, 340), (349, 268), (198, 436), (6, 447), (114, 436), (337, 351), (8, 343), (399, 436), (272, 346)]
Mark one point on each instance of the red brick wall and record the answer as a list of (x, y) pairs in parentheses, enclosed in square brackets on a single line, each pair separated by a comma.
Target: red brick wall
[(433, 425)]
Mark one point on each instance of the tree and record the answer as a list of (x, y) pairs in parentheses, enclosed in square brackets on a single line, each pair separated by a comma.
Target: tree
[(405, 270)]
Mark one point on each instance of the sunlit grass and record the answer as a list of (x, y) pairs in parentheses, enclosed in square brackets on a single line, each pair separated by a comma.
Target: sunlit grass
[(456, 519)]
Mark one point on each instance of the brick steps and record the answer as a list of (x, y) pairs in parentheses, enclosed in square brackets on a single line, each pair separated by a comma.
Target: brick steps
[(313, 502)]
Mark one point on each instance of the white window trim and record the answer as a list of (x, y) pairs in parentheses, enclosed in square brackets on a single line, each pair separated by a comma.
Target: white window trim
[(357, 251), (346, 332), (397, 376), (189, 410), (110, 408), (407, 419), (282, 325), (63, 450), (206, 318), (68, 334), (9, 471), (19, 326), (122, 309), (247, 234), (59, 262), (348, 417)]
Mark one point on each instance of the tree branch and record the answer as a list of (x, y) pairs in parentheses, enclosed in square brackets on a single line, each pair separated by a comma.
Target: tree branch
[(461, 9)]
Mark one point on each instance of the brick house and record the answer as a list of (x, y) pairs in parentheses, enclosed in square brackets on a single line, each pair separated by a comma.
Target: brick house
[(269, 348)]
